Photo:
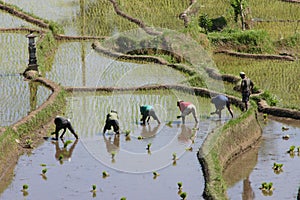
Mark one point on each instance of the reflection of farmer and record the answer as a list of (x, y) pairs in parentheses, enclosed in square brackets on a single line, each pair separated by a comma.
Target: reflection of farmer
[(63, 123), (186, 134), (112, 121), (112, 146), (220, 101), (248, 193), (149, 132), (147, 111), (246, 88), (63, 153), (186, 108)]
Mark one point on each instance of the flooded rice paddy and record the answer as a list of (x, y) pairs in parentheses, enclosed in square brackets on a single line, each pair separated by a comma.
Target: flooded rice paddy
[(246, 174), (131, 169)]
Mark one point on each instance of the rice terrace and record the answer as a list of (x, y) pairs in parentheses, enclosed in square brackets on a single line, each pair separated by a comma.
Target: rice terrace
[(111, 99)]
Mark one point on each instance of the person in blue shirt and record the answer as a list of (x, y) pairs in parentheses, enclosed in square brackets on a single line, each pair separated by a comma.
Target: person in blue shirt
[(147, 111), (220, 102)]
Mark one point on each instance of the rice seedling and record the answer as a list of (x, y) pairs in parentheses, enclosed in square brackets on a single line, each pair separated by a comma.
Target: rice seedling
[(148, 146), (183, 195), (44, 171), (286, 137), (28, 143), (189, 149), (127, 132), (174, 156), (267, 188), (104, 174), (169, 124), (277, 167), (155, 174), (140, 137), (24, 190), (291, 150), (284, 128), (179, 184), (123, 198), (66, 143)]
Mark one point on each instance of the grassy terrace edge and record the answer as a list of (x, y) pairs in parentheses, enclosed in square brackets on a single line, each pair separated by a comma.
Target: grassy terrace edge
[(222, 146)]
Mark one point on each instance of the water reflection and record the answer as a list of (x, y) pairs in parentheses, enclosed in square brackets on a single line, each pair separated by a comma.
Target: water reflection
[(63, 153), (112, 146), (148, 131), (186, 134), (33, 87), (240, 170)]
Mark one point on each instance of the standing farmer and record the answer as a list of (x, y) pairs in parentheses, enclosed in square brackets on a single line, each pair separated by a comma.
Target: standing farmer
[(220, 101), (246, 88), (63, 123), (147, 111), (186, 108), (112, 120)]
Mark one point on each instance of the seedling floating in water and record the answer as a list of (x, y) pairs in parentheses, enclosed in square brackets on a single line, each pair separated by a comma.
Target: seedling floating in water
[(123, 198), (284, 128), (140, 138), (44, 171), (267, 188), (25, 187), (105, 174), (174, 156), (148, 146), (66, 143), (277, 167), (94, 188), (169, 123), (183, 195), (179, 185), (189, 149), (286, 137), (291, 150), (127, 132), (155, 175), (24, 190)]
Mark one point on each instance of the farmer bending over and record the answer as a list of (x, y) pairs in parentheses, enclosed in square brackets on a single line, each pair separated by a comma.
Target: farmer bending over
[(186, 108), (112, 120), (220, 101), (147, 111), (63, 123)]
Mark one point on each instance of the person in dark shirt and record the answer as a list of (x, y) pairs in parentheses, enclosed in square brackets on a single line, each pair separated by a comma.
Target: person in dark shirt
[(63, 123), (112, 120), (246, 89)]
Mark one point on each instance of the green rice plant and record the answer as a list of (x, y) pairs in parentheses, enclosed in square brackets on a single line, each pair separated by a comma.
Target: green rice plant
[(267, 188), (105, 174), (183, 195), (113, 154), (44, 171), (43, 165), (61, 157), (29, 143), (66, 143), (123, 198), (148, 146), (169, 124), (25, 187), (127, 132), (140, 137), (174, 156), (179, 184), (155, 174), (94, 188), (277, 167), (291, 150)]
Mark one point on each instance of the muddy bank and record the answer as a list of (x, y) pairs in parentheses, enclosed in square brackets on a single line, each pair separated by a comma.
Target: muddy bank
[(257, 56), (224, 145), (23, 16)]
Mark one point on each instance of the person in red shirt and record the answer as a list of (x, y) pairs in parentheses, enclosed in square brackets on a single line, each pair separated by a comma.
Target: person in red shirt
[(186, 108)]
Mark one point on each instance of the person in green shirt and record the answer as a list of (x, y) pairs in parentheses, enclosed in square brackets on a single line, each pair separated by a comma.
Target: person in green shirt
[(112, 120), (147, 111)]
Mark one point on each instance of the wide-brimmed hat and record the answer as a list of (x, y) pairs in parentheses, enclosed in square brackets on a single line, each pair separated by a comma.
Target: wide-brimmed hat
[(242, 74)]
